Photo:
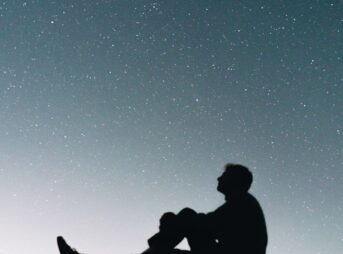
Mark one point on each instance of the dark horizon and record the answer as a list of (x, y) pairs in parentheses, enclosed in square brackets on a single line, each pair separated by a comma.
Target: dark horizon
[(113, 112)]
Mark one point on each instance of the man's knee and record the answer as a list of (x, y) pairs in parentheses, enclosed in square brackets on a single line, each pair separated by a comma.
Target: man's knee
[(168, 221), (187, 215), (180, 222)]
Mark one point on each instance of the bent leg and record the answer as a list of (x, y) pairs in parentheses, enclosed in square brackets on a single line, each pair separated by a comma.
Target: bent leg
[(198, 236), (173, 228), (168, 237)]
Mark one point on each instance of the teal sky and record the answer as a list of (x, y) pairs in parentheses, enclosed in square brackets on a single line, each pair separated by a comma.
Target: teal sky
[(113, 112)]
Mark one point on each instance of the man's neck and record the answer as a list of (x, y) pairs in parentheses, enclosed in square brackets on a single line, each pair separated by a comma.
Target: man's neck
[(235, 196)]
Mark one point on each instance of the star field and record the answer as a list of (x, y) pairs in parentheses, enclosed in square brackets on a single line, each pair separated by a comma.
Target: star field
[(113, 112)]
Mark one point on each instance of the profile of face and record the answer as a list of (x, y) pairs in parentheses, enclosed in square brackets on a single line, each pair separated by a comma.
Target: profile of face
[(231, 183), (224, 183)]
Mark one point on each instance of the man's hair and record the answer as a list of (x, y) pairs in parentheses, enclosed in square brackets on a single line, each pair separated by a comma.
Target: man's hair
[(241, 174)]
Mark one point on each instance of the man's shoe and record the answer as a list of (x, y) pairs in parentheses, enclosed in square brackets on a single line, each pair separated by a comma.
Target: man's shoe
[(64, 247)]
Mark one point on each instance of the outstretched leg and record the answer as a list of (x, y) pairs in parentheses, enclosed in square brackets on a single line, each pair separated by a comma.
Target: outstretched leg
[(63, 247)]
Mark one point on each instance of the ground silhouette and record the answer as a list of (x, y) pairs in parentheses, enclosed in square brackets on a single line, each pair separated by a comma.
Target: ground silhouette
[(238, 226)]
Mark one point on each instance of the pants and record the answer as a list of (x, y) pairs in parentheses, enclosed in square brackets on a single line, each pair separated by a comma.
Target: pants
[(174, 228)]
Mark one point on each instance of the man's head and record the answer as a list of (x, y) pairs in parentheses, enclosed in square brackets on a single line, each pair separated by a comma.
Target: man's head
[(235, 180)]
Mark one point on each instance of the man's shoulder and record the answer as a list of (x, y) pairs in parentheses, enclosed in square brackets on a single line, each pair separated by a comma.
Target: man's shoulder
[(224, 208), (252, 199), (248, 201)]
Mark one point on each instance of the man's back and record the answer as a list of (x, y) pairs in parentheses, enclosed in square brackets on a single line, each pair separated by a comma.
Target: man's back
[(239, 226)]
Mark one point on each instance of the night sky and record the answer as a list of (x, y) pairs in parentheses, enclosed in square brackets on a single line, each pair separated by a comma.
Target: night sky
[(113, 112)]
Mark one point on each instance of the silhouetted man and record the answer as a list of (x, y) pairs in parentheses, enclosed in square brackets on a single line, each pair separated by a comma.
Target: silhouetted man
[(236, 227)]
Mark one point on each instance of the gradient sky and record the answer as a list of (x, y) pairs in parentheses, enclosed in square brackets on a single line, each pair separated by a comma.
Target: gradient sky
[(113, 112)]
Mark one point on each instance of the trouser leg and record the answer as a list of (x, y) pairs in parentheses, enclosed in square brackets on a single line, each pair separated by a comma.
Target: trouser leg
[(200, 241), (173, 228), (198, 236), (169, 236)]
